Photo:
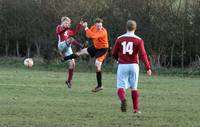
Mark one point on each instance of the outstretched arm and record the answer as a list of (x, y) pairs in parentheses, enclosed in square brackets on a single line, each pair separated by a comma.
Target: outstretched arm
[(73, 32)]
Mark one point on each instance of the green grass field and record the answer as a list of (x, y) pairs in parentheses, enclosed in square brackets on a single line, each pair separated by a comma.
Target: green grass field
[(39, 98)]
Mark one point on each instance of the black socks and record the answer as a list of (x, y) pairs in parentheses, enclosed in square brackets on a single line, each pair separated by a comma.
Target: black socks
[(98, 75)]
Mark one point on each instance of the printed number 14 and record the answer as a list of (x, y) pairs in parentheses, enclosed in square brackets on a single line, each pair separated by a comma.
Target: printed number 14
[(127, 47)]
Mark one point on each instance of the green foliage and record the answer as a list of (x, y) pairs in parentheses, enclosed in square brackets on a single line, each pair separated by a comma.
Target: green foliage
[(170, 28)]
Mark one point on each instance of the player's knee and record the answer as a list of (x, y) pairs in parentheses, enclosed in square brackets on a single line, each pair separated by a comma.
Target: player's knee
[(98, 63), (98, 67), (134, 88), (72, 64)]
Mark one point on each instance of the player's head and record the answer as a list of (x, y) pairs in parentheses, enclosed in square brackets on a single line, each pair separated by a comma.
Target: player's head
[(98, 23), (131, 25), (65, 21)]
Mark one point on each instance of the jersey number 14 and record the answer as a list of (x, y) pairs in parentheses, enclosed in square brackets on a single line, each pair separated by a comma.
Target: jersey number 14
[(127, 47)]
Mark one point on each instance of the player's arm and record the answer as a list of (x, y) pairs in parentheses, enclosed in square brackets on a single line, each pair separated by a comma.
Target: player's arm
[(143, 55), (73, 32), (115, 51)]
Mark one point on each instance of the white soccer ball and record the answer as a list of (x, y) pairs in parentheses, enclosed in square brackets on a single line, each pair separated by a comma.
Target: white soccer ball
[(28, 62)]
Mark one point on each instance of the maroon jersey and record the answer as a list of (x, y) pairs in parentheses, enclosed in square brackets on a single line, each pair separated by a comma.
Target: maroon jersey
[(65, 33), (127, 47)]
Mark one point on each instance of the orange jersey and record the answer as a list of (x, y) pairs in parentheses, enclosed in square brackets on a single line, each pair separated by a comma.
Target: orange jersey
[(99, 38)]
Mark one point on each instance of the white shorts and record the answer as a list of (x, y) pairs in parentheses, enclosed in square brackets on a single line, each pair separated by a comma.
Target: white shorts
[(65, 48), (127, 76)]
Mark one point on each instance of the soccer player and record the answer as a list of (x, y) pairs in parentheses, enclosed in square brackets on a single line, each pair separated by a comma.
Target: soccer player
[(99, 49), (65, 40), (125, 51)]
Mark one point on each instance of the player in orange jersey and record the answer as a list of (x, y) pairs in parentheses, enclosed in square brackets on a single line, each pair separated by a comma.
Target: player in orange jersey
[(99, 49)]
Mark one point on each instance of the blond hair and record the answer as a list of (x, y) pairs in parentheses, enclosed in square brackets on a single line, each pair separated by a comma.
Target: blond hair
[(65, 18)]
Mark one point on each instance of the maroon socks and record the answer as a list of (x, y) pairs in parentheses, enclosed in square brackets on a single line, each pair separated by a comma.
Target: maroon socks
[(70, 74), (135, 99), (121, 94)]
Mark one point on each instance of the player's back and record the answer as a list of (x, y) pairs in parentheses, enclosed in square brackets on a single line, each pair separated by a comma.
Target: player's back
[(128, 47)]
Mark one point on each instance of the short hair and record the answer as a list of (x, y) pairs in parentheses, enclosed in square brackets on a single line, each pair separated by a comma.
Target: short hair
[(65, 18), (98, 20), (131, 25)]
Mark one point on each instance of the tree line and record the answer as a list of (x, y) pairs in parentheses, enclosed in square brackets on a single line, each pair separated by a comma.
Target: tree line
[(170, 28)]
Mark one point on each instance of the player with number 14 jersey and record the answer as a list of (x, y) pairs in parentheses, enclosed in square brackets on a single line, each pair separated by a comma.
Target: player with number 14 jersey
[(127, 47), (126, 50)]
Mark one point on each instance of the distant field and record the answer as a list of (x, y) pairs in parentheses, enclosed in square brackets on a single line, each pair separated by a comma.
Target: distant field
[(39, 98)]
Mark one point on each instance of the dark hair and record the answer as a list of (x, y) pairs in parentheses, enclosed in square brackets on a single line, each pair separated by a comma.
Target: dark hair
[(98, 20), (131, 25)]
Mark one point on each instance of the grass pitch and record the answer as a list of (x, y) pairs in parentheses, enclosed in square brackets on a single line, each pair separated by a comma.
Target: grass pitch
[(37, 98)]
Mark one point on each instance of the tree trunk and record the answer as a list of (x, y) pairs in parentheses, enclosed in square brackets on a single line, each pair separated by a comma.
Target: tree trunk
[(172, 55), (182, 49), (7, 48), (165, 60), (37, 45), (28, 51), (183, 36), (28, 47), (158, 61), (6, 45), (17, 48)]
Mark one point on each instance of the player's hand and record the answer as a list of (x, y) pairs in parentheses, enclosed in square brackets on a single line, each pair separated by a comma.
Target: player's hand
[(81, 23), (149, 72), (85, 24)]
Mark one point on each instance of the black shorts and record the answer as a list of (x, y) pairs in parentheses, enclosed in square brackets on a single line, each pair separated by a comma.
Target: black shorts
[(96, 52)]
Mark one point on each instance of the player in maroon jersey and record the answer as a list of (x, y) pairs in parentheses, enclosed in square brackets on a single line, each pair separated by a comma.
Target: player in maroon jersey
[(126, 51), (64, 37)]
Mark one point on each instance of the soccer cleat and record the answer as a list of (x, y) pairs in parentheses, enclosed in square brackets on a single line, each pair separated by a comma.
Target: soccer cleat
[(124, 106), (68, 83), (137, 112), (97, 89)]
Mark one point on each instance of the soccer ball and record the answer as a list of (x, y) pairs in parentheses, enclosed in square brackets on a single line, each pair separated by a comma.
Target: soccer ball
[(28, 62)]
